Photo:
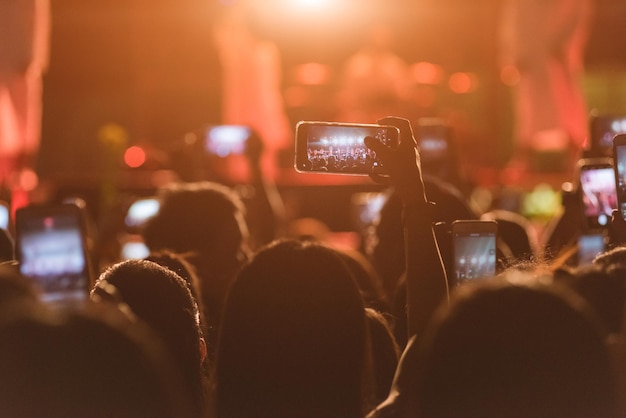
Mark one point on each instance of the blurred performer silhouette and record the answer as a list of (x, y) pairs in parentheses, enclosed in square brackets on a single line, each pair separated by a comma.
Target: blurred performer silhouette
[(375, 80), (24, 49), (251, 82), (544, 40)]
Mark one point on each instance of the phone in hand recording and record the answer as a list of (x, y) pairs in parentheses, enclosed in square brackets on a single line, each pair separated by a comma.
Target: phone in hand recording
[(589, 246), (598, 192), (474, 249), (339, 148), (225, 140), (51, 249), (619, 162)]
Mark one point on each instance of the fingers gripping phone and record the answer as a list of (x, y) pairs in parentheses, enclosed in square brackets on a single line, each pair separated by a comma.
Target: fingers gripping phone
[(598, 193), (51, 249), (474, 249), (339, 148)]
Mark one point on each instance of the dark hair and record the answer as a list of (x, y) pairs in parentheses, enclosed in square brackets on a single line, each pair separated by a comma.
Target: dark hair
[(194, 217), (293, 339), (163, 300), (508, 348), (88, 363), (385, 353), (204, 222)]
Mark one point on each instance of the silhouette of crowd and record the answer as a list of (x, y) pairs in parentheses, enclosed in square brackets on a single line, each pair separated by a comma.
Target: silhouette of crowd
[(231, 315)]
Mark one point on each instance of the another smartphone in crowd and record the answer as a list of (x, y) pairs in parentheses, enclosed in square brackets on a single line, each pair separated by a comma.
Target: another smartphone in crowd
[(432, 135), (589, 246), (597, 190), (5, 215), (474, 249), (225, 140), (51, 248), (339, 148), (619, 163), (140, 211), (602, 129)]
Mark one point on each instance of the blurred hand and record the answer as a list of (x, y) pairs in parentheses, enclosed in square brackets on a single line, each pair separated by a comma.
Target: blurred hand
[(402, 163), (254, 149)]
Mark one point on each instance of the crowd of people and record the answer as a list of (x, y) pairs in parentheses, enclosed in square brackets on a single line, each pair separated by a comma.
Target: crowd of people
[(231, 315)]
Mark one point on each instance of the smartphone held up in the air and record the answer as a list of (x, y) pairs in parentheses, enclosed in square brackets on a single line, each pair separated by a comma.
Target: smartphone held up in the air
[(51, 249), (339, 148), (597, 191), (473, 249)]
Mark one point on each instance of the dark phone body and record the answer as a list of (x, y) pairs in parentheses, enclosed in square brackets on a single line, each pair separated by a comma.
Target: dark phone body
[(338, 148), (602, 129), (51, 249), (619, 157), (473, 249), (597, 192)]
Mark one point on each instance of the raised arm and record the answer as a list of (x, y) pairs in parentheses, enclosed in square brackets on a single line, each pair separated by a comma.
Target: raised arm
[(426, 280)]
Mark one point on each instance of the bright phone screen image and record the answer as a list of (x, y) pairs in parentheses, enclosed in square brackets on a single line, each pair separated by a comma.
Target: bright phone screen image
[(620, 171), (474, 255), (224, 140), (52, 254), (340, 148), (599, 195), (589, 246)]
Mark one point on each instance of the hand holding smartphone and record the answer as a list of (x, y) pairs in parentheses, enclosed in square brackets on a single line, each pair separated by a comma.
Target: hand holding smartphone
[(619, 158), (339, 148), (598, 193), (474, 249), (51, 249)]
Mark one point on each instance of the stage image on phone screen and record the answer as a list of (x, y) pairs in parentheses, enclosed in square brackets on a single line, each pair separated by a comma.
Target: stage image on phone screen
[(474, 256), (599, 195), (52, 254), (339, 148)]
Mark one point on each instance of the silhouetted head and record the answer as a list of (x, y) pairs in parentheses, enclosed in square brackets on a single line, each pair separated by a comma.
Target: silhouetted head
[(203, 217), (293, 338), (515, 349), (205, 222), (162, 299), (87, 364)]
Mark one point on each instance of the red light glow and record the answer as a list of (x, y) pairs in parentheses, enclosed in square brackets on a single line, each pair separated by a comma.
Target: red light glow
[(135, 157)]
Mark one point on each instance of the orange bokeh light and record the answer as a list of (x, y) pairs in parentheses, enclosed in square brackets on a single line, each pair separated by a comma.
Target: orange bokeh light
[(462, 83), (135, 157)]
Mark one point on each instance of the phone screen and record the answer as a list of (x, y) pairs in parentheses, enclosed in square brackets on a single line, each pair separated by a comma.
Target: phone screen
[(599, 196), (589, 246), (325, 147), (432, 138), (620, 172), (140, 211), (224, 140), (474, 248), (51, 250)]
